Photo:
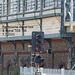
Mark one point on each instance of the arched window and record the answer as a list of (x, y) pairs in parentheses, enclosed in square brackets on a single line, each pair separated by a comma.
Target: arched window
[(1, 8)]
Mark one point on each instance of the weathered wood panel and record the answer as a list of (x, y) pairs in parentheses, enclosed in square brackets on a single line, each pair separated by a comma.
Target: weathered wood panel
[(12, 17), (58, 10), (68, 29), (68, 26), (66, 23), (69, 23), (29, 26), (15, 29), (50, 25), (48, 12)]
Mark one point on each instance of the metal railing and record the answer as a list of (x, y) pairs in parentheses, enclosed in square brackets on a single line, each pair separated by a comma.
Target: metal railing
[(23, 6), (45, 71)]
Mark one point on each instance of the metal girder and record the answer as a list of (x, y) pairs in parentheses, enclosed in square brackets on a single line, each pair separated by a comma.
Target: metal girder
[(22, 28), (52, 53), (28, 37), (30, 18), (49, 42), (69, 40), (63, 30), (67, 34), (29, 12), (6, 29)]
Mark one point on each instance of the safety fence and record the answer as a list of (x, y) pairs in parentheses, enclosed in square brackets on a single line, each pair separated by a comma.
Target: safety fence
[(45, 71)]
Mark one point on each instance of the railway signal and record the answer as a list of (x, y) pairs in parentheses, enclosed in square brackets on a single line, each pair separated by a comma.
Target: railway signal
[(37, 41)]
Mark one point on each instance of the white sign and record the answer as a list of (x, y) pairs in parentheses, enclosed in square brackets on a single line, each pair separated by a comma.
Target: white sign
[(49, 26)]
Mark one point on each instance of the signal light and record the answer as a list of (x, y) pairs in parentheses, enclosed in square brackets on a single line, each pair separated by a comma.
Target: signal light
[(37, 41), (38, 36), (37, 48)]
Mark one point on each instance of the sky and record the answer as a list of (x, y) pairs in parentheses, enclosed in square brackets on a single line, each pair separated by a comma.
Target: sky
[(0, 1)]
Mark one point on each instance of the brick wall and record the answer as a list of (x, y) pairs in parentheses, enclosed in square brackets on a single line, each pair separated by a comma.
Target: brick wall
[(60, 53)]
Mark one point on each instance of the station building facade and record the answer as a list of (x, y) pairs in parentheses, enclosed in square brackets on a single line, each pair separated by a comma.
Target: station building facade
[(18, 19)]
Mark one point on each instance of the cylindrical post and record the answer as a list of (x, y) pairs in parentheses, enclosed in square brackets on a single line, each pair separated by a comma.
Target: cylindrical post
[(62, 71)]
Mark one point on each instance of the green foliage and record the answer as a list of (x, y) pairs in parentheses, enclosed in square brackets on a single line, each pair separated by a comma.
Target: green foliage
[(16, 71)]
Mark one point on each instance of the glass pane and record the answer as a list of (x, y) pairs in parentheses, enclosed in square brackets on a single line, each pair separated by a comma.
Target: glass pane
[(5, 7), (38, 4), (58, 3), (1, 8), (46, 3), (15, 5), (30, 4), (49, 3), (21, 6)]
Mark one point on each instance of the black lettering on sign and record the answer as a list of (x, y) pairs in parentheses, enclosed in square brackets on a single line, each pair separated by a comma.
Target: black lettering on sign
[(11, 34), (30, 26), (25, 26), (17, 30), (20, 26), (3, 34), (10, 30)]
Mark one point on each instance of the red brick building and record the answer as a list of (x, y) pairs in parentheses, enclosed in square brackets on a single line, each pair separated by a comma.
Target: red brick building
[(19, 18)]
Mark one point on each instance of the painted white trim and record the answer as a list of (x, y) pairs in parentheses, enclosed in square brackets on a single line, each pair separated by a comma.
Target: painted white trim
[(71, 16)]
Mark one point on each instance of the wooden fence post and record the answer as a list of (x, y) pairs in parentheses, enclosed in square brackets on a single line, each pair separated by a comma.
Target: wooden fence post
[(62, 71)]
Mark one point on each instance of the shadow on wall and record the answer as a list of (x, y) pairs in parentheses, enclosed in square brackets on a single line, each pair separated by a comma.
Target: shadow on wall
[(9, 63), (62, 64)]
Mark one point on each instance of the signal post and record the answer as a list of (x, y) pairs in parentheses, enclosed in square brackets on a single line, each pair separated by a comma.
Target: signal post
[(37, 47)]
